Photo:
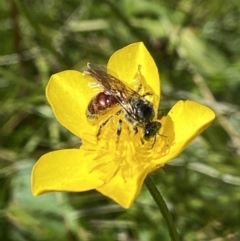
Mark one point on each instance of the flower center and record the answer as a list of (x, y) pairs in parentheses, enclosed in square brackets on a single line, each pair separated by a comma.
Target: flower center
[(120, 143)]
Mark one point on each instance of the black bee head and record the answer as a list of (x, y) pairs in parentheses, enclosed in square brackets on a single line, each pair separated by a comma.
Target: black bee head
[(151, 129)]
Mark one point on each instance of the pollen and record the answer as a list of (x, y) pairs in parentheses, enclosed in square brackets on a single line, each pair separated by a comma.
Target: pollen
[(118, 142)]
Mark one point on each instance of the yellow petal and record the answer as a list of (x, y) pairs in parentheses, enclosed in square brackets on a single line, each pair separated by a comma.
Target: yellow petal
[(67, 170), (125, 63), (69, 94), (123, 188), (184, 122)]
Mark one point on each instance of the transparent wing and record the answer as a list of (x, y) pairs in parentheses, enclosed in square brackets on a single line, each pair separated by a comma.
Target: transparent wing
[(111, 84)]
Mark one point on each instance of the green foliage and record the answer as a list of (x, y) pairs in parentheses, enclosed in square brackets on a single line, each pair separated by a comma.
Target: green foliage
[(196, 45)]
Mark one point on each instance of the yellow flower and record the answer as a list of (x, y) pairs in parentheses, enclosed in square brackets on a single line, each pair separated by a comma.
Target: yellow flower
[(114, 165)]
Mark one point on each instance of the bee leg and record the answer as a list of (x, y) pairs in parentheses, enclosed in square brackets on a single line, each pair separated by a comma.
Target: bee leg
[(101, 126), (135, 129), (104, 123), (139, 88), (119, 130), (148, 93), (154, 142)]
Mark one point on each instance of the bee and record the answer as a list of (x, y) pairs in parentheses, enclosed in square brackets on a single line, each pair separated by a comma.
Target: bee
[(137, 109)]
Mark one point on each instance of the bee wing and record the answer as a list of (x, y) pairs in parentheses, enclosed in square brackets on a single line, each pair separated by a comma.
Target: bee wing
[(112, 85)]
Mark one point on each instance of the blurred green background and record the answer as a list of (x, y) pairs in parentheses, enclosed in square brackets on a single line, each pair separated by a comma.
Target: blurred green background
[(196, 45)]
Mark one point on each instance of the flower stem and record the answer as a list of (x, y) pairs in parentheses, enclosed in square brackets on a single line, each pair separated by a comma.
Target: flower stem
[(162, 207)]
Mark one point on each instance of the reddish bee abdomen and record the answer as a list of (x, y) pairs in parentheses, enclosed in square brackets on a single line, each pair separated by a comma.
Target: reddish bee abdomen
[(101, 103)]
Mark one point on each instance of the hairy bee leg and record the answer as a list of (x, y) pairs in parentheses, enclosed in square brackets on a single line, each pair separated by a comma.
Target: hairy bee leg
[(148, 93), (135, 130), (139, 88), (142, 82), (105, 122), (101, 126), (119, 130)]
